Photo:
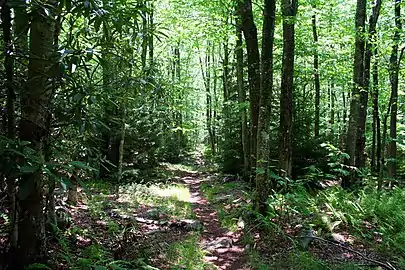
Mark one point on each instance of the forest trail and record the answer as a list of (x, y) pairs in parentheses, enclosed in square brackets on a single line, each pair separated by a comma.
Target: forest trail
[(223, 247)]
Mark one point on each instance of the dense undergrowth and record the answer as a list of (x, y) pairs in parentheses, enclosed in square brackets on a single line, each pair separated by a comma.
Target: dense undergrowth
[(125, 231), (138, 229), (369, 222)]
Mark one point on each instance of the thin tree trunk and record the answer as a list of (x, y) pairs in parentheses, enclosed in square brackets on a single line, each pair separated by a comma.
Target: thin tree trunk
[(226, 94), (144, 38), (263, 187), (353, 131), (316, 77), (332, 106), (11, 131), (361, 136), (242, 99), (73, 197), (151, 34), (289, 10), (250, 32), (383, 144), (376, 145), (206, 74), (384, 136), (394, 78), (121, 151), (344, 123), (214, 100), (50, 208)]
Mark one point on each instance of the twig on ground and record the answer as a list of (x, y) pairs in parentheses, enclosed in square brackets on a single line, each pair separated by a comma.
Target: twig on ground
[(382, 264)]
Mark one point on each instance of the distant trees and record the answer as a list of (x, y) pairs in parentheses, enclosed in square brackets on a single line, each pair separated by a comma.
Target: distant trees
[(91, 89)]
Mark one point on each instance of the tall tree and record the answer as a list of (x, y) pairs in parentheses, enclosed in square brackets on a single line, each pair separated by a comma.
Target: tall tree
[(376, 142), (316, 76), (11, 119), (35, 108), (358, 86), (370, 43), (250, 32), (395, 62), (289, 10), (242, 97), (266, 94), (151, 35)]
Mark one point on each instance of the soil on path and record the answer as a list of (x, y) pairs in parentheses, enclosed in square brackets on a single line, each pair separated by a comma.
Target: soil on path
[(224, 247)]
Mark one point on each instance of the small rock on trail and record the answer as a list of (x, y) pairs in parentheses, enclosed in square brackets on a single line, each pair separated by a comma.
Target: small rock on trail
[(223, 246)]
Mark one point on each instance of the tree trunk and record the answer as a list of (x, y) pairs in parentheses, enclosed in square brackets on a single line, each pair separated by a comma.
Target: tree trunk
[(344, 121), (332, 106), (263, 187), (242, 99), (316, 77), (50, 208), (73, 197), (227, 129), (361, 137), (35, 109), (289, 10), (151, 33), (121, 147), (250, 32), (376, 145), (11, 131), (394, 74), (354, 130), (206, 75), (144, 38)]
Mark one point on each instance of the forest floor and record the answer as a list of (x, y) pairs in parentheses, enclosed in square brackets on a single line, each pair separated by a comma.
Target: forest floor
[(187, 217)]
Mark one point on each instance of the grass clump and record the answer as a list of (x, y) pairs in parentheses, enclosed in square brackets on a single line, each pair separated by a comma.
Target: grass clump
[(187, 254)]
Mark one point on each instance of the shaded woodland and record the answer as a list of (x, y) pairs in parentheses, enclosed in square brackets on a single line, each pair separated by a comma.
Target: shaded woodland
[(191, 134)]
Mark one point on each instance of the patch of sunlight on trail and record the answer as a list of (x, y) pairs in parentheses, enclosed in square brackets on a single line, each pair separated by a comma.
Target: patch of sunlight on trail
[(180, 167), (177, 192), (170, 199)]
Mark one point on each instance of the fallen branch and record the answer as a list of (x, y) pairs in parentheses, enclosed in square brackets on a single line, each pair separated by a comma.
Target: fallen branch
[(382, 264)]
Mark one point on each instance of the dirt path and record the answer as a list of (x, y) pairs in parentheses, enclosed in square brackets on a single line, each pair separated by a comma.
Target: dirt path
[(224, 247)]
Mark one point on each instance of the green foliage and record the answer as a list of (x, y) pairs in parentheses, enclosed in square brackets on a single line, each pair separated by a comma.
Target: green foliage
[(334, 209), (187, 254), (38, 266)]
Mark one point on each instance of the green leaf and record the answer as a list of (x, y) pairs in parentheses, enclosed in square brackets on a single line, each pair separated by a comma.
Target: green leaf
[(38, 266), (27, 169), (98, 267), (260, 171), (81, 165)]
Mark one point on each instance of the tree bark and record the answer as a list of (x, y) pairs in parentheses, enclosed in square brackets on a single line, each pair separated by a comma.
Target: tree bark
[(316, 77), (394, 78), (35, 109), (263, 187), (250, 32), (354, 131), (361, 136), (144, 37), (151, 33), (121, 147), (289, 11), (206, 75), (242, 99), (11, 122), (376, 144)]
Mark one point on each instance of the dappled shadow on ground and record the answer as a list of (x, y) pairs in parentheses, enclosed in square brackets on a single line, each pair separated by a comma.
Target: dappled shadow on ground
[(223, 246)]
